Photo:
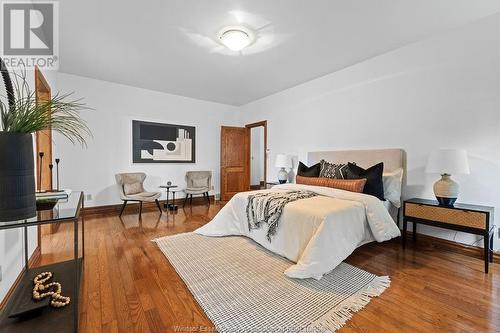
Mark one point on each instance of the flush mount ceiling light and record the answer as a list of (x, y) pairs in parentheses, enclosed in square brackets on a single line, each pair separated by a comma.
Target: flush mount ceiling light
[(236, 38)]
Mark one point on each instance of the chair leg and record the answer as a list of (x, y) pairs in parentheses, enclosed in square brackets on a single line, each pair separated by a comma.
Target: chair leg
[(191, 200), (123, 207), (158, 205), (185, 200), (208, 199), (140, 210)]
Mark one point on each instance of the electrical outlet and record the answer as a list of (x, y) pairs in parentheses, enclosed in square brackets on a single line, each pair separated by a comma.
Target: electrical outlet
[(88, 197)]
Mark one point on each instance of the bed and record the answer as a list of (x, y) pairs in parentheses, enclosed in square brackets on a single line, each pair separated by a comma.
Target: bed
[(318, 233)]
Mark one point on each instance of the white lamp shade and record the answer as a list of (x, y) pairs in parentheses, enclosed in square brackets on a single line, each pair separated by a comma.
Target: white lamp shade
[(283, 161), (449, 161)]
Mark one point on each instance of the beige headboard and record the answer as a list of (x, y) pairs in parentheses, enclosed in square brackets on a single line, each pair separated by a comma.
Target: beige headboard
[(392, 158)]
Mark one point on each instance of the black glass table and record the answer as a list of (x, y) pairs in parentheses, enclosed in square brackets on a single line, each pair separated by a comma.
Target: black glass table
[(170, 188), (48, 319)]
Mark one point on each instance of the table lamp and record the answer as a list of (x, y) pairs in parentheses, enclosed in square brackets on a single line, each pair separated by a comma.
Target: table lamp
[(283, 161), (447, 162)]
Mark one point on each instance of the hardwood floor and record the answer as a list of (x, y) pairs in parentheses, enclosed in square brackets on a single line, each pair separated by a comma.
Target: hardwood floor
[(129, 286)]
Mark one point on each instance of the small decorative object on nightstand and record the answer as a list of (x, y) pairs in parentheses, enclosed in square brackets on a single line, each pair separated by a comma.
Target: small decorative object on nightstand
[(284, 162), (473, 219), (447, 162)]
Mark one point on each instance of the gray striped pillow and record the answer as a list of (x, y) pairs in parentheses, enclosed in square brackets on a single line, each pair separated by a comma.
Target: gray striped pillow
[(333, 170)]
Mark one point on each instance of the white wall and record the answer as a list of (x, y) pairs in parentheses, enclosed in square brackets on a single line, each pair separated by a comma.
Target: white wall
[(110, 150), (437, 93), (257, 155)]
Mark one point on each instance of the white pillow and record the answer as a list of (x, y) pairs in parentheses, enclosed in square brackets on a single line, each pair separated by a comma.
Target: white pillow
[(200, 182), (133, 188), (393, 182)]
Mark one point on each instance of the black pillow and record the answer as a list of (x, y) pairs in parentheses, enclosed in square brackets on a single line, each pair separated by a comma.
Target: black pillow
[(374, 181), (305, 171)]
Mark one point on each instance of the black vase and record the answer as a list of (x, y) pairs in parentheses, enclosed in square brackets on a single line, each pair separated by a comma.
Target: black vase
[(17, 177)]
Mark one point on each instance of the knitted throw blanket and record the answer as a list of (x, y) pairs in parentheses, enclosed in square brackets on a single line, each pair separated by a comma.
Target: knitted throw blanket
[(267, 207)]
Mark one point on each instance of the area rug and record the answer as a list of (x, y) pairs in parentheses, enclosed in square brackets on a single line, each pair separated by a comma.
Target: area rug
[(242, 288)]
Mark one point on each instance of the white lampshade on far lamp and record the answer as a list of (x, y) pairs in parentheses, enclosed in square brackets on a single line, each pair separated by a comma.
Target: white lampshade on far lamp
[(447, 162), (284, 162)]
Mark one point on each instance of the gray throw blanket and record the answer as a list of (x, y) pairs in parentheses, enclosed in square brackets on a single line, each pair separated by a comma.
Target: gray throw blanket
[(267, 207)]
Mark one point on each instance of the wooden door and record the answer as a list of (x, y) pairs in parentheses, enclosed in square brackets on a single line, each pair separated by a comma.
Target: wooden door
[(43, 138), (235, 161), (43, 144)]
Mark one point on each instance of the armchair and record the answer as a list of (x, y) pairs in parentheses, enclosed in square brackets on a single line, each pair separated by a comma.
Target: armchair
[(132, 189)]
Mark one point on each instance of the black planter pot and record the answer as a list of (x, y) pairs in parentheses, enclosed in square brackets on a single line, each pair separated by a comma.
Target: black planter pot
[(17, 177)]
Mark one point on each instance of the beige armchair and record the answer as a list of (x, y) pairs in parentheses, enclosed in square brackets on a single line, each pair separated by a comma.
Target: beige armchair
[(198, 182), (132, 189)]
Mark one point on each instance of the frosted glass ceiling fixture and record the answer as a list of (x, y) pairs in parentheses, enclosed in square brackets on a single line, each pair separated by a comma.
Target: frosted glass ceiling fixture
[(236, 38)]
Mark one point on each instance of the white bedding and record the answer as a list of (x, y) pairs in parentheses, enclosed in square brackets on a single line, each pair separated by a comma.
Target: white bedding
[(317, 233)]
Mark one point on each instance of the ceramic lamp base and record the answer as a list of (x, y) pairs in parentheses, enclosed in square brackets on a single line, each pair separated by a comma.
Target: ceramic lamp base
[(282, 176), (446, 190), (446, 201)]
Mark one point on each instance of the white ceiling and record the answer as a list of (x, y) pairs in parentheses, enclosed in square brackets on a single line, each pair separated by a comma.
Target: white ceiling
[(169, 46)]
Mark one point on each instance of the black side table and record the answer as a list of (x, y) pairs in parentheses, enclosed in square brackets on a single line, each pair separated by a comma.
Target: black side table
[(173, 206), (68, 273), (472, 219), (168, 188)]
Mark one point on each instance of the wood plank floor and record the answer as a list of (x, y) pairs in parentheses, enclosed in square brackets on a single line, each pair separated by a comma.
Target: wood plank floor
[(129, 286)]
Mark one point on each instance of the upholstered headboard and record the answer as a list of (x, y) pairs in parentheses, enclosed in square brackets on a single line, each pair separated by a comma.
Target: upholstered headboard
[(392, 158)]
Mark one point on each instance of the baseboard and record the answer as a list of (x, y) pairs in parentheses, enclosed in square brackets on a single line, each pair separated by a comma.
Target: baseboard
[(32, 261), (133, 207), (444, 244)]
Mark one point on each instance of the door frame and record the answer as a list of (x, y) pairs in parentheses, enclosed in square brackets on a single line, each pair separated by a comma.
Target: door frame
[(262, 123), (42, 93)]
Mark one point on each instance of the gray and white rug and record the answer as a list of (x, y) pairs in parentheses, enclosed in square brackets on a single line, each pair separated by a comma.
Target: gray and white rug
[(242, 288)]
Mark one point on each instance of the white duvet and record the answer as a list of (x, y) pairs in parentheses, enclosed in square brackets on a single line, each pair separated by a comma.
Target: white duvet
[(317, 233)]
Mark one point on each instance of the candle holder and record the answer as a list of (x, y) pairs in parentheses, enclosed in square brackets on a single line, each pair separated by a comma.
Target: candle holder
[(57, 174), (40, 154)]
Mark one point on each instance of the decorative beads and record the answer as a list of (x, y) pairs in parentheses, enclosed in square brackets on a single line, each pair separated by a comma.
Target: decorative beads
[(54, 290)]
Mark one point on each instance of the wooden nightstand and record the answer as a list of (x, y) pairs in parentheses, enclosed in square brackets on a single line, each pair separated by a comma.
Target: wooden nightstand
[(473, 219)]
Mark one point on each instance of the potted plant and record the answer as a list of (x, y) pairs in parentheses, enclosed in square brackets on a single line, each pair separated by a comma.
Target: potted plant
[(20, 117)]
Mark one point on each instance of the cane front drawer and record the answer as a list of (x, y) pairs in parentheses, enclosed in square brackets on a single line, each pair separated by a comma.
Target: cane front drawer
[(460, 217)]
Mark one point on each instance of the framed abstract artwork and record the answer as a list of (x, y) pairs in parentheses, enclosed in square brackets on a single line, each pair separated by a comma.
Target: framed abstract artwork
[(162, 143)]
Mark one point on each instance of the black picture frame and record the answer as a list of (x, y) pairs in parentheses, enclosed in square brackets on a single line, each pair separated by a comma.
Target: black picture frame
[(149, 139)]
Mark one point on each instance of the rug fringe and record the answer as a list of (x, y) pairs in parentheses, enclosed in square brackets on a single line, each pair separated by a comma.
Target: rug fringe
[(338, 316)]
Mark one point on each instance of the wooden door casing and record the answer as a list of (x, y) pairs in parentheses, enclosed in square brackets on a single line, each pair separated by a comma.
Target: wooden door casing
[(43, 144), (43, 138), (235, 161), (262, 124)]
